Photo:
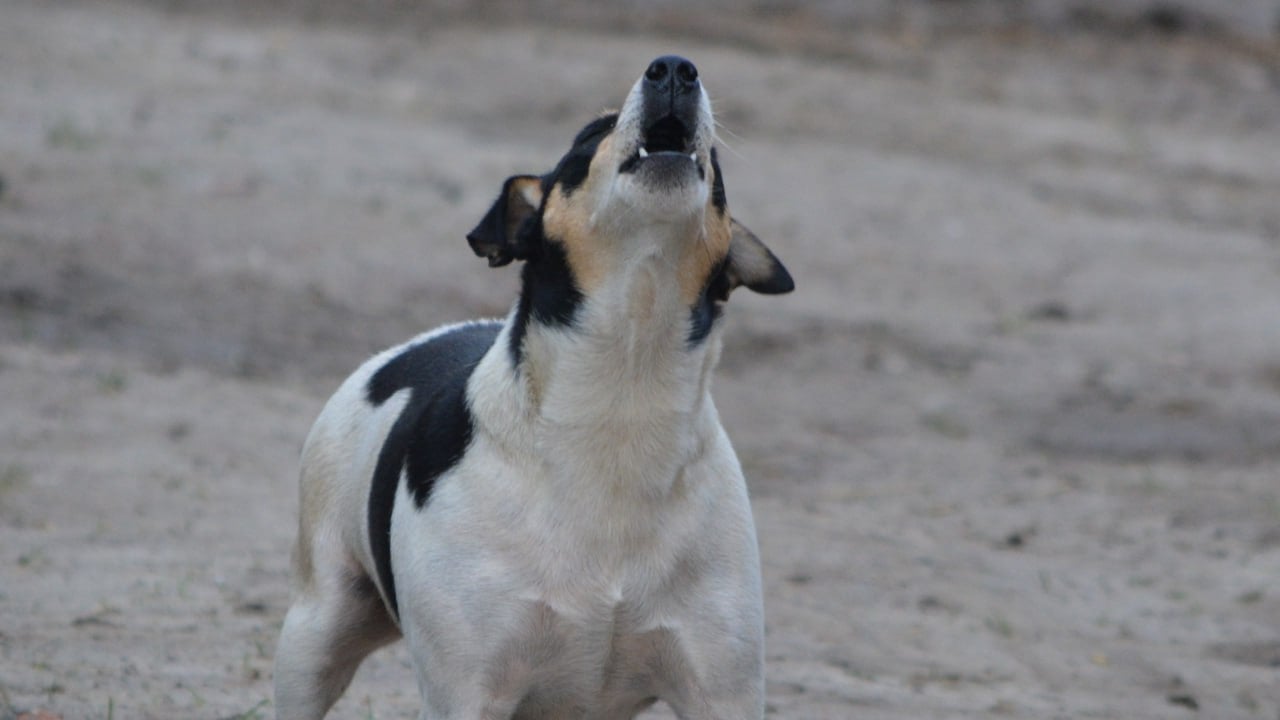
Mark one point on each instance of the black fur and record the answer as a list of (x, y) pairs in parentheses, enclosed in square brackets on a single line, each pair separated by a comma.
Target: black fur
[(718, 199), (548, 292), (707, 309), (576, 164), (432, 432), (497, 236), (573, 171)]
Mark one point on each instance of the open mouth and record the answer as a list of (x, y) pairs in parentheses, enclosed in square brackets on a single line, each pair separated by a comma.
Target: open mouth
[(669, 140)]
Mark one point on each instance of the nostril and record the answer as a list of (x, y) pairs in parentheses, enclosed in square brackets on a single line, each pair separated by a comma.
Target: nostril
[(657, 71), (686, 72)]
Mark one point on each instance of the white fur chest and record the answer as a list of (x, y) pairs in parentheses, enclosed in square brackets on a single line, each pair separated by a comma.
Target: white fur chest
[(625, 475)]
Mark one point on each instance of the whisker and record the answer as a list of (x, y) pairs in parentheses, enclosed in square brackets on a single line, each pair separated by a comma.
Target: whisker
[(722, 128), (731, 148)]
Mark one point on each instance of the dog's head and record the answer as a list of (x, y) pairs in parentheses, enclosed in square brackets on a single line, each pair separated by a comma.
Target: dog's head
[(642, 181)]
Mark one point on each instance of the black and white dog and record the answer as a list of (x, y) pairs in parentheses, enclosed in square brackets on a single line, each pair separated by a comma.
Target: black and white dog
[(547, 508)]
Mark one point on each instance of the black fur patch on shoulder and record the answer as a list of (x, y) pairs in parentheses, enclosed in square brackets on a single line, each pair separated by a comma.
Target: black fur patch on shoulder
[(548, 292), (432, 432), (707, 309)]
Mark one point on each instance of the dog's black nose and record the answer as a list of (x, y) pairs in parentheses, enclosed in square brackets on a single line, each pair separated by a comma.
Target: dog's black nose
[(671, 75)]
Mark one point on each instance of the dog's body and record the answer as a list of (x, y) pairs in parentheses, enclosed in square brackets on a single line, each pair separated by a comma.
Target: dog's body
[(547, 508)]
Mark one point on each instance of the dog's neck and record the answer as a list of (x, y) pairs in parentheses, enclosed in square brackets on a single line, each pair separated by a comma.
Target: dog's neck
[(620, 393)]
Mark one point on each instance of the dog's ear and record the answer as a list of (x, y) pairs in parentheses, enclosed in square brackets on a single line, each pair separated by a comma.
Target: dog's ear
[(754, 265), (497, 237)]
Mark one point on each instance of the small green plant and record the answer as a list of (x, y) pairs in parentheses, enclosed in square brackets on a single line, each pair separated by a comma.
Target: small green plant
[(253, 713), (66, 134), (1251, 597), (946, 425), (12, 477), (1000, 626), (112, 382), (151, 177)]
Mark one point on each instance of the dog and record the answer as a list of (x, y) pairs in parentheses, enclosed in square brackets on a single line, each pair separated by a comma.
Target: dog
[(547, 508)]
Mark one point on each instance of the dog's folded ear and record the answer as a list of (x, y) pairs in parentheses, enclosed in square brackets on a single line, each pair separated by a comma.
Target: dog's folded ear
[(754, 265), (498, 237)]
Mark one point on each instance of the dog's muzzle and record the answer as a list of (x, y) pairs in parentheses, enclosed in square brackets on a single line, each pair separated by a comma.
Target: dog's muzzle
[(670, 103)]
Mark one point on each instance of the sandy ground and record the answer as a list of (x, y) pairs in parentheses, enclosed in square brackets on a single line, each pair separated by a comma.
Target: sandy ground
[(1014, 444)]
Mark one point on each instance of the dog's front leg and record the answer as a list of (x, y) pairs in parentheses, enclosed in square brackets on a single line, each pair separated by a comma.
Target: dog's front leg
[(729, 685), (718, 673), (465, 628), (468, 672)]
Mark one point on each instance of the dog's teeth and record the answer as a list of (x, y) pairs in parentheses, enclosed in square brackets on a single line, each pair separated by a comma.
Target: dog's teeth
[(644, 153), (693, 157)]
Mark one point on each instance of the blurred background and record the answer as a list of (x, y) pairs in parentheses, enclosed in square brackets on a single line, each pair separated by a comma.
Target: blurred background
[(1013, 443)]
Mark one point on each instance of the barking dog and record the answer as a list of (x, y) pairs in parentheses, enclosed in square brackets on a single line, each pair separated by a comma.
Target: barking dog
[(547, 508)]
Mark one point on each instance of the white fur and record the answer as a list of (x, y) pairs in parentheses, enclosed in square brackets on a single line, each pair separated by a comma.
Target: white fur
[(592, 550)]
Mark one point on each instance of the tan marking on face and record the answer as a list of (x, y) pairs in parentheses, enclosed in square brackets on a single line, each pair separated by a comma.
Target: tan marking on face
[(567, 220), (701, 257)]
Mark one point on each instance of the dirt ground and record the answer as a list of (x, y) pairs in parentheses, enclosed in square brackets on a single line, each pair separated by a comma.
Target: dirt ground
[(1014, 443)]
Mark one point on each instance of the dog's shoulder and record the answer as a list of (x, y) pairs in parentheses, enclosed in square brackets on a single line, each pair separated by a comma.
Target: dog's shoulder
[(434, 425), (435, 362), (433, 429)]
